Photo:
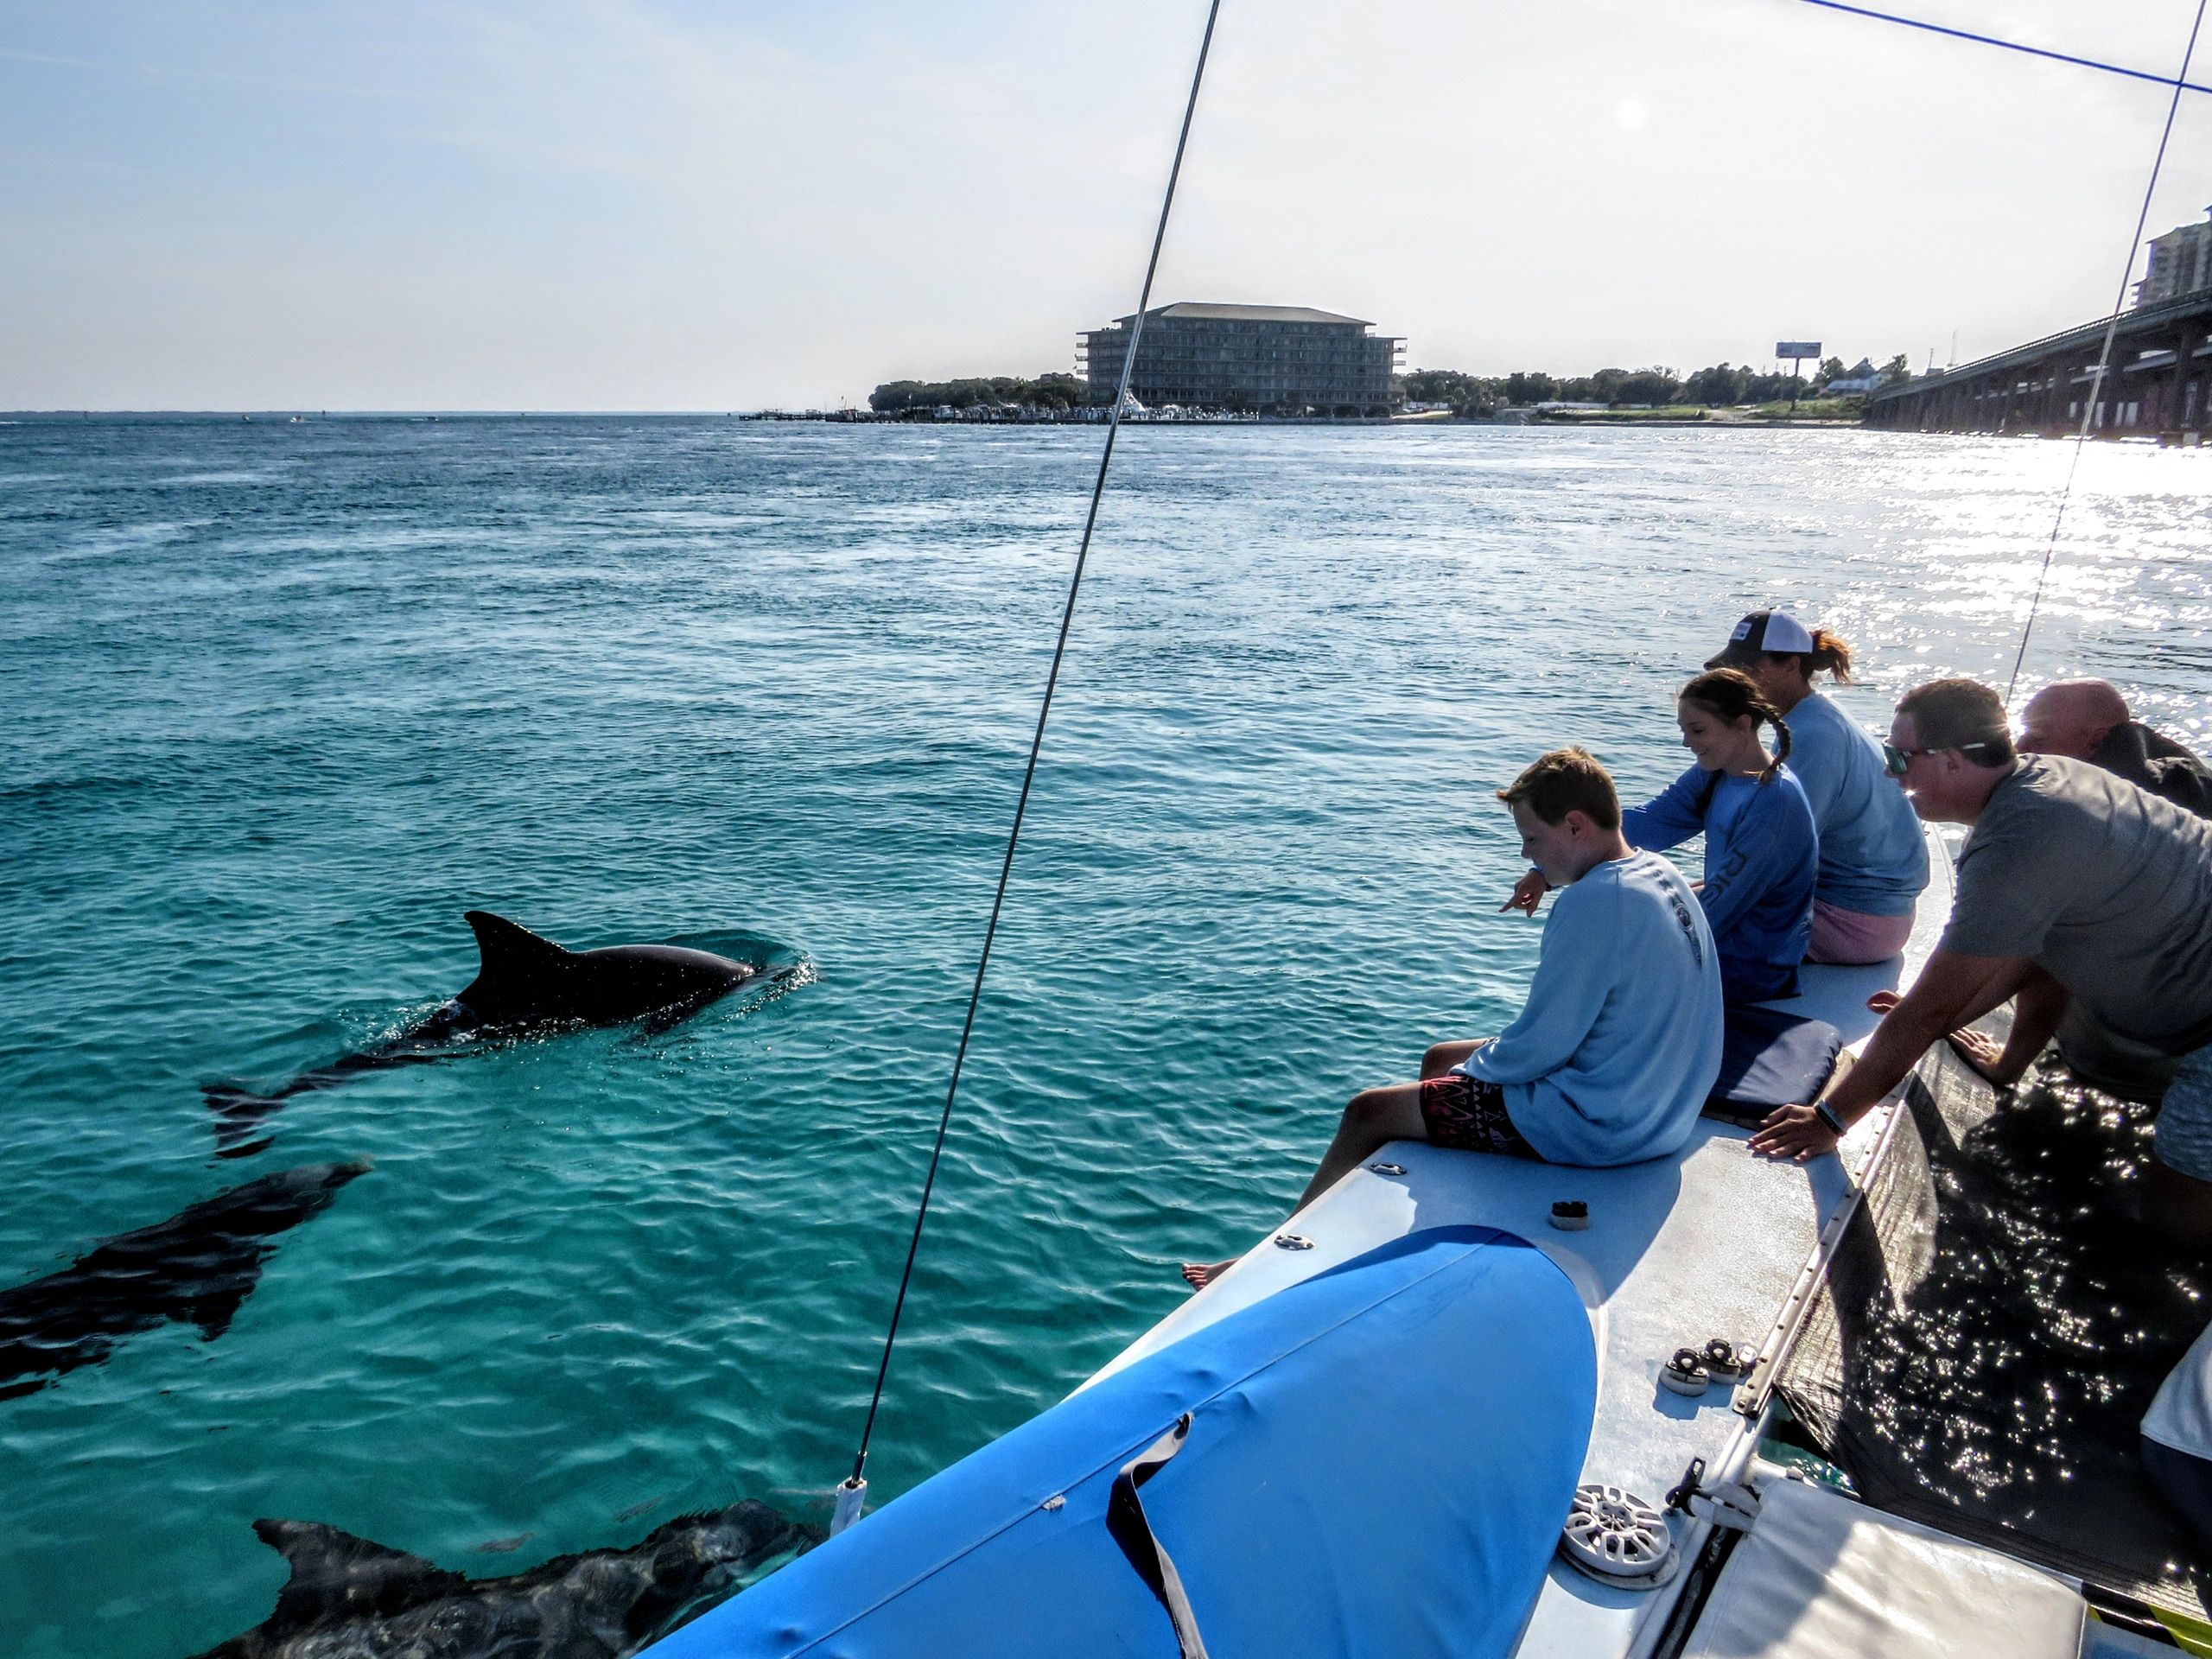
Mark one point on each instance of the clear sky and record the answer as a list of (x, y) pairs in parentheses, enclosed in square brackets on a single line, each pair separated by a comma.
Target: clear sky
[(672, 204)]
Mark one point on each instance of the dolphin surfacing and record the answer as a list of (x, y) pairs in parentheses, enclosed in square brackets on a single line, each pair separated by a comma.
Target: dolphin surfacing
[(526, 985), (197, 1268), (348, 1596), (526, 982)]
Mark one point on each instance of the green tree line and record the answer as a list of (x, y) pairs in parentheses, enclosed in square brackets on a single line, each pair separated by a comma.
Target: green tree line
[(1721, 386), (1045, 392)]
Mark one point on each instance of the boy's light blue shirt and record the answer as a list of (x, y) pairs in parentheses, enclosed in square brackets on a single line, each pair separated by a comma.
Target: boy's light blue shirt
[(1874, 857), (1619, 1043)]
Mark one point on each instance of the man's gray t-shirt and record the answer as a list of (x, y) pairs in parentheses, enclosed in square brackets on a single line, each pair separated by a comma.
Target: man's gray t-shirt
[(2106, 886)]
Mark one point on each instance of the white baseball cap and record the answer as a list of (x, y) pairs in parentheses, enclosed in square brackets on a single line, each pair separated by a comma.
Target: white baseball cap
[(1760, 632)]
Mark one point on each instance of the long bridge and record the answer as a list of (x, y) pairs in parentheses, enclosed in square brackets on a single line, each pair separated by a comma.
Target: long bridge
[(2159, 384)]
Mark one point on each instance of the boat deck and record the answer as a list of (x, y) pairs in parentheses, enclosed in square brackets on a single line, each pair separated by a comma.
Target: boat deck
[(1709, 1243)]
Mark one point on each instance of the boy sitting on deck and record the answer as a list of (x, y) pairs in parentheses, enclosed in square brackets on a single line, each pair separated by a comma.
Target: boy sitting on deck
[(1619, 1043)]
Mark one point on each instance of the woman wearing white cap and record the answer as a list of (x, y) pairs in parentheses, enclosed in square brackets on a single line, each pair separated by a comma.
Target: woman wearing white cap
[(1873, 860)]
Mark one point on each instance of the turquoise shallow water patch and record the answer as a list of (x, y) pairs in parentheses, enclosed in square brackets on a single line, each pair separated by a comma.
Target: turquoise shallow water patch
[(278, 703)]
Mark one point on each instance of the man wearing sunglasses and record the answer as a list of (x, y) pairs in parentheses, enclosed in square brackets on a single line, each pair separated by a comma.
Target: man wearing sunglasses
[(2076, 888)]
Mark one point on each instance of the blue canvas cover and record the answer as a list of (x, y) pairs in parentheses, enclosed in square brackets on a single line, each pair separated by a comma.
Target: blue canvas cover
[(1379, 1462)]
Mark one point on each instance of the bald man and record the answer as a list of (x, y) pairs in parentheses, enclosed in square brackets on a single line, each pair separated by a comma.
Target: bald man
[(2088, 720)]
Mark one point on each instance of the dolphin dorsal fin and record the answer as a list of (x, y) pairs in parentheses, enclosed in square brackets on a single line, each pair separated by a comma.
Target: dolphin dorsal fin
[(510, 957), (499, 941), (337, 1575)]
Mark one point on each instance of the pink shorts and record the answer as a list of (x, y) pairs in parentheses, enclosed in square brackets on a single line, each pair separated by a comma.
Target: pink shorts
[(1853, 936)]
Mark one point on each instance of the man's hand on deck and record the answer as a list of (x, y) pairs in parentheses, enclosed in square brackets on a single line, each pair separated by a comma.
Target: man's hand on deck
[(1977, 1048), (1793, 1132), (1528, 892)]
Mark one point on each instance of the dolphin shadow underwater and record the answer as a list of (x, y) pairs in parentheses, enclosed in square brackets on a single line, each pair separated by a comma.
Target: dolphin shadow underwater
[(197, 1268), (349, 1599), (525, 986)]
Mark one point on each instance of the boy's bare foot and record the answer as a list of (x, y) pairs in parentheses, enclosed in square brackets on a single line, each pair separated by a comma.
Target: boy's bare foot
[(1201, 1274)]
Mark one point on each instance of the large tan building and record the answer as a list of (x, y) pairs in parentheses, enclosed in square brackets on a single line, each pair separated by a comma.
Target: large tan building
[(1278, 359), (2181, 262)]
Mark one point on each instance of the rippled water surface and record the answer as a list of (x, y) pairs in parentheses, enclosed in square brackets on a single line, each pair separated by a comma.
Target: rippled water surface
[(279, 703)]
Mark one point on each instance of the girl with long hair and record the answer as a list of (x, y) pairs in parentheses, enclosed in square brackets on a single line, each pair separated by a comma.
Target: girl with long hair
[(1761, 849)]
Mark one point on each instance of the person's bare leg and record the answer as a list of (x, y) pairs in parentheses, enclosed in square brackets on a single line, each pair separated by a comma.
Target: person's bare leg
[(1375, 1117), (1444, 1056)]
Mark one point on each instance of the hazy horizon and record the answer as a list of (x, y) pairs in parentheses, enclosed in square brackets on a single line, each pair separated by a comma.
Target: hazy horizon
[(616, 206)]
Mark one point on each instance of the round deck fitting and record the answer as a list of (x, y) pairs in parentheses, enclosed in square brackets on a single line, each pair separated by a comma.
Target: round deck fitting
[(1571, 1215), (1686, 1372), (1618, 1538), (1727, 1359)]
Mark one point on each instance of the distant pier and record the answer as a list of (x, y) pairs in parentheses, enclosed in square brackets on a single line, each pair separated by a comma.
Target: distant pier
[(2159, 384)]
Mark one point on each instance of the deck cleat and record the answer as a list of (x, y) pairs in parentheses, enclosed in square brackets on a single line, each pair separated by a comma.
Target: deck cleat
[(1727, 1360), (1571, 1215), (1686, 1373), (1293, 1241), (1388, 1169), (1618, 1538)]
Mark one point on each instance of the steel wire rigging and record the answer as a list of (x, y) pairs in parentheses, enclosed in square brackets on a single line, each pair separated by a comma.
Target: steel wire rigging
[(2180, 82), (850, 1491), (2104, 353)]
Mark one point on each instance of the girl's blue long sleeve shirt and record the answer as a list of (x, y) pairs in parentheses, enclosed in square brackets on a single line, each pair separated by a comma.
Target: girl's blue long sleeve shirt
[(1761, 861)]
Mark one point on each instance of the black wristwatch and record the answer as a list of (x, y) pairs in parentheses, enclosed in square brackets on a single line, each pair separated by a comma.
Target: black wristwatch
[(1826, 1113)]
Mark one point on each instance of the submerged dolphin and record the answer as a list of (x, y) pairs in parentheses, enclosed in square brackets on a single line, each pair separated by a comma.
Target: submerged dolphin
[(524, 984), (349, 1599), (195, 1269)]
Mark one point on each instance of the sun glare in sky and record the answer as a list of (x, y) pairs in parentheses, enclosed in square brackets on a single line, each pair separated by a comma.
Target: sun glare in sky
[(595, 204)]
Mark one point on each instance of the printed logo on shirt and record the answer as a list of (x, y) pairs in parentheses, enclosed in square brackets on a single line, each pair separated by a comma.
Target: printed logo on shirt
[(1689, 928)]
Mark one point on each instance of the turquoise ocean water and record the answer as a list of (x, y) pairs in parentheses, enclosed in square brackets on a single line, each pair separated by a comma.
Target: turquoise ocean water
[(279, 701)]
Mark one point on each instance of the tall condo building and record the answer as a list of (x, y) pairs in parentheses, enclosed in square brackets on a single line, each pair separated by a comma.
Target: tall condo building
[(2181, 262), (1284, 358)]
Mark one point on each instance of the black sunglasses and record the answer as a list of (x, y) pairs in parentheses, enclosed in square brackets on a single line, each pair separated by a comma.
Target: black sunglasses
[(1897, 760)]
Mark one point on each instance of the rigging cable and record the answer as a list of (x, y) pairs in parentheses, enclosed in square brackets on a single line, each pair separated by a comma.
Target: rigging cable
[(851, 1493), (2180, 82), (2104, 355)]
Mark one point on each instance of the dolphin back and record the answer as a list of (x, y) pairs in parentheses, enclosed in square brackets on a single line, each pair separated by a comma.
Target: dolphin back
[(350, 1596), (524, 980)]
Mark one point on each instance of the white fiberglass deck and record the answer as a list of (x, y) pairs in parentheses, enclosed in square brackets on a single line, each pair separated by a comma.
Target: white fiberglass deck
[(1706, 1244)]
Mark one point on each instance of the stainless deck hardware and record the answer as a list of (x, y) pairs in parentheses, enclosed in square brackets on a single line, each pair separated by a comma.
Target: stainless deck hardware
[(1619, 1538), (1686, 1372)]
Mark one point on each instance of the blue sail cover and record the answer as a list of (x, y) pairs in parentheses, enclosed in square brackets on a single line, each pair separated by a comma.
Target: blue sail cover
[(1379, 1464)]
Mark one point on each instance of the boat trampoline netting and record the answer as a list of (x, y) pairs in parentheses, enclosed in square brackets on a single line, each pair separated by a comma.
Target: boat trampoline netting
[(1994, 1326)]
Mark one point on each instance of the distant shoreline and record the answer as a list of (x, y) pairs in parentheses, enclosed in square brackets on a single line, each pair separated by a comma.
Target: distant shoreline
[(1715, 419)]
